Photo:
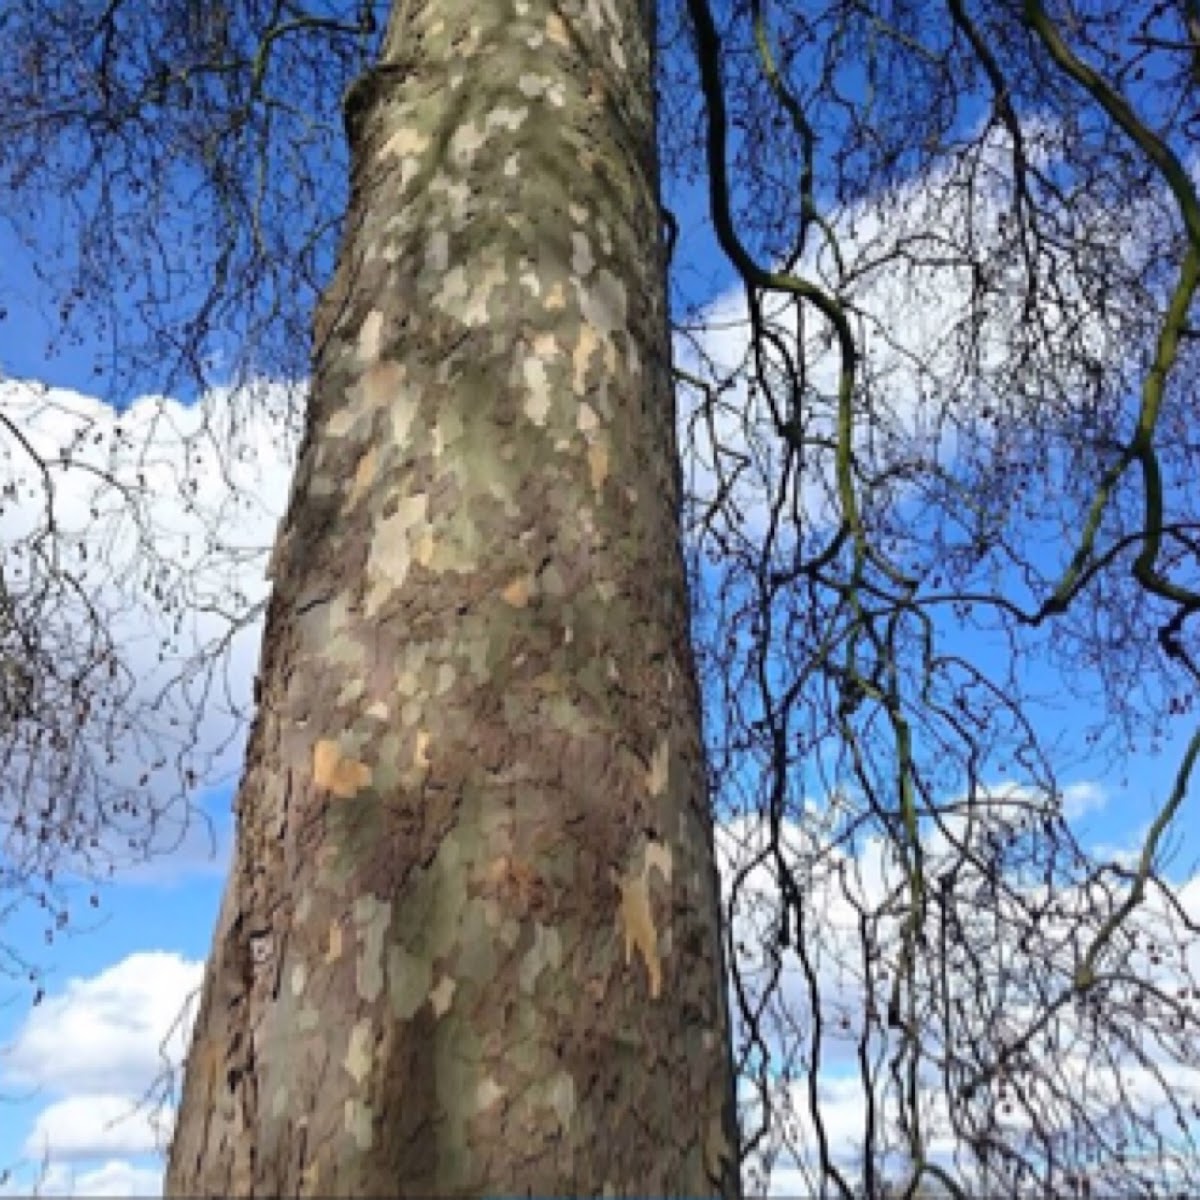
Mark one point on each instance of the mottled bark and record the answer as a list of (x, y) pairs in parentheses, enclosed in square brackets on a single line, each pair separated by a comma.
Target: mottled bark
[(470, 941)]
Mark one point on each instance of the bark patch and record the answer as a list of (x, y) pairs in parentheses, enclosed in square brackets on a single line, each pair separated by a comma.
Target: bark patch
[(337, 773), (636, 915)]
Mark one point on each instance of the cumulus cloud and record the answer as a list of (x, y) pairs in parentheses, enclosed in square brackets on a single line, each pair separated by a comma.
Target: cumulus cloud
[(94, 1126), (934, 280), (100, 1047), (162, 516), (1010, 978), (106, 1035), (1080, 799), (855, 899), (114, 1177)]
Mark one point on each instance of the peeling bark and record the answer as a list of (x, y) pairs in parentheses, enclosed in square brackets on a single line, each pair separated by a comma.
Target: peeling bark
[(470, 940)]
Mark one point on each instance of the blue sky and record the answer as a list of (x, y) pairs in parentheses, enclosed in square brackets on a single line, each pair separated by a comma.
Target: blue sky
[(115, 981)]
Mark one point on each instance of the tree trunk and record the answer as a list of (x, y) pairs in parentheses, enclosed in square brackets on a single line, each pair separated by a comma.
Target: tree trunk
[(470, 941)]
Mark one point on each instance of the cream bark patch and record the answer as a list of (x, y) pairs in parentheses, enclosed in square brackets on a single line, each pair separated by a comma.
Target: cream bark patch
[(535, 86), (468, 300), (424, 548), (494, 276), (560, 1092), (437, 252), (487, 1093), (390, 554), (442, 995), (445, 678), (309, 1177), (364, 476), (636, 917), (660, 763), (556, 30), (582, 262), (370, 337), (334, 950), (337, 773), (587, 420), (405, 141), (537, 390), (360, 1123), (466, 142), (358, 1053), (597, 456), (510, 119), (658, 856), (585, 347), (517, 593), (421, 750), (343, 420)]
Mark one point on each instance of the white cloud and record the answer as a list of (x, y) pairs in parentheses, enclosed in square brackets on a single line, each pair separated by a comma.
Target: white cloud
[(164, 513), (1079, 799), (1026, 942), (101, 1046), (95, 1126), (933, 277), (114, 1177), (102, 1035)]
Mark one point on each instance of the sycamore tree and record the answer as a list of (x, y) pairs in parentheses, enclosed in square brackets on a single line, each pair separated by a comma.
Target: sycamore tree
[(936, 461), (470, 942)]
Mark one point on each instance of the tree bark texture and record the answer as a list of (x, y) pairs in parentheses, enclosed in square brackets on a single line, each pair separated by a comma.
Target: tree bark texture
[(470, 941)]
